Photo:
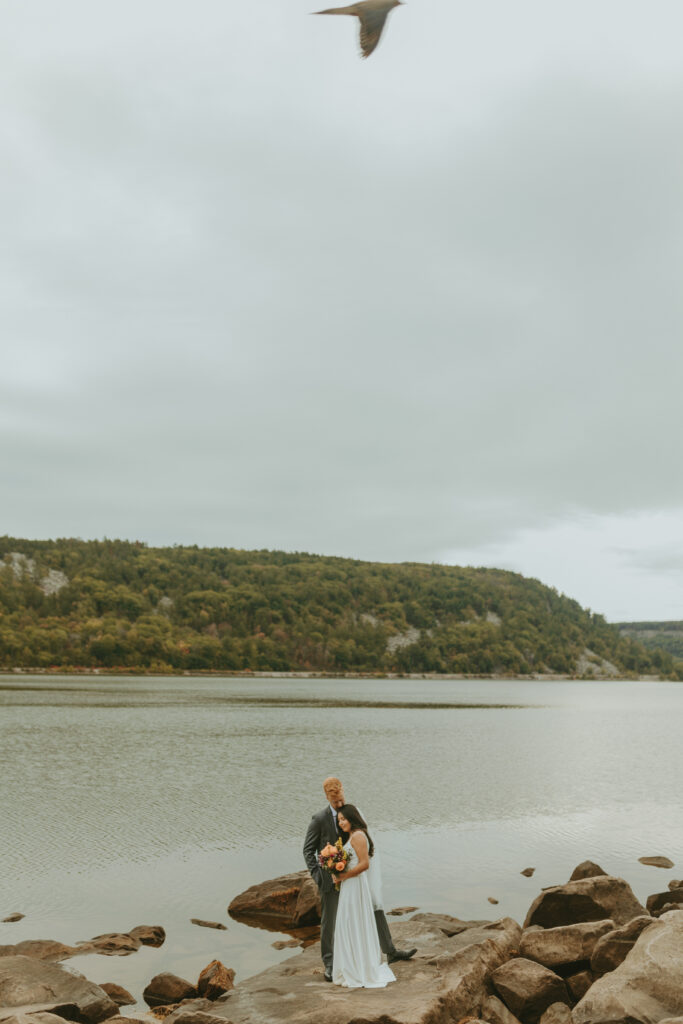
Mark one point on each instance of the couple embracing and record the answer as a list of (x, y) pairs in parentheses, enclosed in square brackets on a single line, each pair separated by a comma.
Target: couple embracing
[(353, 929)]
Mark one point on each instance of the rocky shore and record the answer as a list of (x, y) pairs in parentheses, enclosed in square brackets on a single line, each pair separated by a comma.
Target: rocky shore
[(588, 952)]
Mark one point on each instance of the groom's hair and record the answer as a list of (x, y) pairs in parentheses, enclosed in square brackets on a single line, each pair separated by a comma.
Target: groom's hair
[(357, 821)]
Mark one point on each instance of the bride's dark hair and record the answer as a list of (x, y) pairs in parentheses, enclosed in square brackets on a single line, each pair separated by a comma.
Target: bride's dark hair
[(356, 821)]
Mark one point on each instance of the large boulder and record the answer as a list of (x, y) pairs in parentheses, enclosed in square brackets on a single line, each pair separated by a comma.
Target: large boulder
[(495, 1011), (528, 988), (659, 900), (167, 988), (568, 944), (586, 899), (289, 901), (647, 987), (586, 869), (120, 995), (25, 981), (215, 980), (558, 1013), (612, 948), (446, 980)]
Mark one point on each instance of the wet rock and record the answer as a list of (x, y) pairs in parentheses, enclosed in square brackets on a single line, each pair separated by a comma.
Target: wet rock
[(11, 918), (398, 911), (567, 944), (675, 883), (656, 862), (445, 981), (215, 980), (39, 1017), (492, 899), (40, 949), (612, 948), (647, 987), (111, 944), (118, 994), (149, 934), (578, 984), (558, 1013), (528, 988), (285, 944), (445, 923), (166, 988), (527, 872), (658, 900), (586, 869), (209, 924), (25, 981), (586, 899), (287, 901)]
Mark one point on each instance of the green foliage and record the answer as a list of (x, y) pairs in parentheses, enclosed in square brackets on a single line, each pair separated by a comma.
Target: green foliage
[(656, 636), (128, 607)]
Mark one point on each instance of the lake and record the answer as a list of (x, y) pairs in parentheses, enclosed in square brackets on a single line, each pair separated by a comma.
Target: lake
[(127, 801)]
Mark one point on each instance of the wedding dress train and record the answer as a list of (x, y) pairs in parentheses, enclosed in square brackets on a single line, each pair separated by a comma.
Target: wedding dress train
[(357, 961)]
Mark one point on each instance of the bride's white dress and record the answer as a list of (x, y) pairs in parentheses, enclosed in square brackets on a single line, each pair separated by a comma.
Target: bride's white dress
[(357, 959)]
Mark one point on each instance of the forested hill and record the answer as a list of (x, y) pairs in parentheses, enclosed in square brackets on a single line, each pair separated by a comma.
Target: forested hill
[(119, 605), (662, 636)]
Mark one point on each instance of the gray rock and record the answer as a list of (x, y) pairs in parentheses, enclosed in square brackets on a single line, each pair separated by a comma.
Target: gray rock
[(586, 899), (166, 988), (586, 869), (528, 988), (558, 1013), (659, 900), (567, 944), (445, 981), (25, 981), (647, 987), (657, 862), (612, 949)]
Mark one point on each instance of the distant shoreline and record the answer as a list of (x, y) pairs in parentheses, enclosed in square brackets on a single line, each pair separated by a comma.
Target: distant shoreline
[(242, 674)]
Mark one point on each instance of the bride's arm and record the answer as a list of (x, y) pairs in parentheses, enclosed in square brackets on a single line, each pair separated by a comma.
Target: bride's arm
[(360, 845)]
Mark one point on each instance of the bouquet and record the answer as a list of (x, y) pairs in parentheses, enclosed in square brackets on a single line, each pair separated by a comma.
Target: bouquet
[(334, 860)]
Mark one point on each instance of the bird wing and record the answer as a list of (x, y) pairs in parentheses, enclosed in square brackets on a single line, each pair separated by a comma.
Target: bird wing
[(371, 25)]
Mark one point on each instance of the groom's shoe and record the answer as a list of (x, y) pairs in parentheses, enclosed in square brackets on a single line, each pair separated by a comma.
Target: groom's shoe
[(401, 954), (328, 974)]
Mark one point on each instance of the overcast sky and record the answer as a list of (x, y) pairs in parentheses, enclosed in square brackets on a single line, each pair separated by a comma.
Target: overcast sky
[(257, 292)]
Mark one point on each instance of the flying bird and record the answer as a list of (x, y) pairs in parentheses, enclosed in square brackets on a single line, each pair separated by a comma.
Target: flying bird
[(372, 15)]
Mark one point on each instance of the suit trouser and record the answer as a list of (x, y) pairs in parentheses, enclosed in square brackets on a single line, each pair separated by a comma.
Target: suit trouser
[(329, 901)]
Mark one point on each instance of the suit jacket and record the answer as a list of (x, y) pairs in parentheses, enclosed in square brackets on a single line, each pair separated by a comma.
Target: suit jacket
[(320, 832)]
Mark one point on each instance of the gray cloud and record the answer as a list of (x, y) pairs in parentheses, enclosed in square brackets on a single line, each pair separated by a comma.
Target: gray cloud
[(259, 293)]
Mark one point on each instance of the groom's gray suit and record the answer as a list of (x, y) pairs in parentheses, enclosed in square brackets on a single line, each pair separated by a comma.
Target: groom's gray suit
[(323, 830)]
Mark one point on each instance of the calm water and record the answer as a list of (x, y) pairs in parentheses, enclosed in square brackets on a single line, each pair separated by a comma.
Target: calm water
[(151, 801)]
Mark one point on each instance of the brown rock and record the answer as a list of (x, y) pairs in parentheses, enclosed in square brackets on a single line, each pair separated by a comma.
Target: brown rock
[(291, 900), (40, 1017), (169, 1014), (166, 988), (658, 900), (209, 924), (647, 987), (111, 944), (528, 989), (675, 883), (558, 1013), (586, 869), (198, 1017), (58, 1009), (578, 984), (40, 949), (656, 862), (496, 1012), (527, 872), (666, 908), (445, 923), (215, 980), (567, 944), (492, 899), (610, 950), (285, 944), (149, 934), (118, 994), (587, 899), (25, 981), (11, 918), (398, 911)]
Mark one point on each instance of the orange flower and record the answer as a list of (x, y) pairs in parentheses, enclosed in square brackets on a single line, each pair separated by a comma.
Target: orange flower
[(329, 851), (330, 863), (340, 866)]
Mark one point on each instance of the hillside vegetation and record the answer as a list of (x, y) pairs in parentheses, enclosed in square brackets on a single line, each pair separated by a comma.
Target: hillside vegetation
[(657, 636), (125, 606)]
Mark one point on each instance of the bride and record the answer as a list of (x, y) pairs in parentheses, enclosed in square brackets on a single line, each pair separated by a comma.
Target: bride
[(357, 954)]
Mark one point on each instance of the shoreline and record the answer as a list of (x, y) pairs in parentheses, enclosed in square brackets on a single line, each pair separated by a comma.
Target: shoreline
[(544, 677)]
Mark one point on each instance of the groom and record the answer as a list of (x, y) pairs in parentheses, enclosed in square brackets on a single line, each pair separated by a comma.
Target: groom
[(323, 830)]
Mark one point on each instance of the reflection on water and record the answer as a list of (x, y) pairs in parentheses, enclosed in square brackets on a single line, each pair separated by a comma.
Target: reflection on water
[(151, 801)]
